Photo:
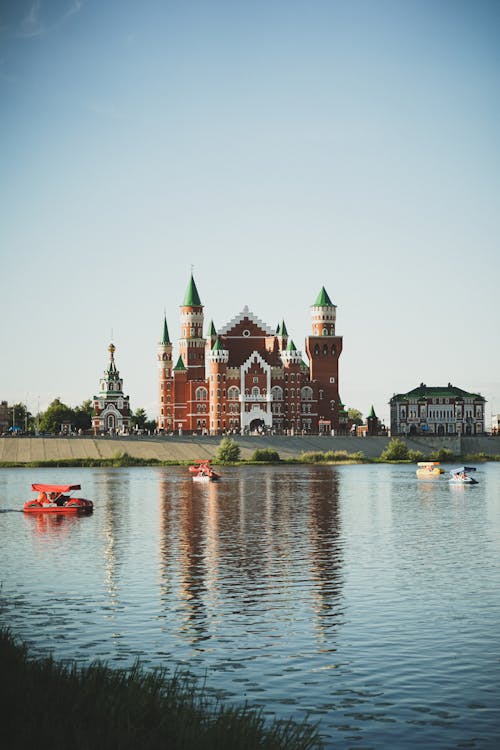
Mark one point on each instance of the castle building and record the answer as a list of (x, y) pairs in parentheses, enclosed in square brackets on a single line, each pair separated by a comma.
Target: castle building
[(111, 407), (437, 410), (246, 377)]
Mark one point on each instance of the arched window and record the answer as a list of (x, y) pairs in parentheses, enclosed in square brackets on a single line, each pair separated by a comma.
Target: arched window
[(233, 392), (277, 393), (325, 331), (306, 393), (333, 350), (201, 394), (316, 349), (255, 391), (325, 349)]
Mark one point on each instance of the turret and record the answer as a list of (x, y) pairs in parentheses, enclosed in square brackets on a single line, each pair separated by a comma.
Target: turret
[(192, 343), (218, 359), (323, 348), (164, 358)]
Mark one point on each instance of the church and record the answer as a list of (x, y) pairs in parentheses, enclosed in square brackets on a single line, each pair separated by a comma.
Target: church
[(246, 377)]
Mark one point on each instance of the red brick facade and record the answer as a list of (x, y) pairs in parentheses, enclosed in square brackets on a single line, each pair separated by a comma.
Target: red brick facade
[(245, 377)]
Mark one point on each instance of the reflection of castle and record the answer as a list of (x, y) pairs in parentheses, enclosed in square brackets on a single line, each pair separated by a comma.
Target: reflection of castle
[(246, 376)]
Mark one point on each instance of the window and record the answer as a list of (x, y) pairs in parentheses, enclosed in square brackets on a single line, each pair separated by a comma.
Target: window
[(277, 393), (306, 393), (316, 349), (255, 391), (233, 392), (201, 394)]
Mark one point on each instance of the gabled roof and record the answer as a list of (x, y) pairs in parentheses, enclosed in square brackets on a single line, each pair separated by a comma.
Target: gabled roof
[(192, 298), (323, 300), (246, 313)]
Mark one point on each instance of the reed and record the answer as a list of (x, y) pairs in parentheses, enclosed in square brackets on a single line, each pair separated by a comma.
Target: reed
[(52, 704)]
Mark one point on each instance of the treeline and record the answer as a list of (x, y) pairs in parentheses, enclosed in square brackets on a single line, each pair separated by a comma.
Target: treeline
[(78, 418)]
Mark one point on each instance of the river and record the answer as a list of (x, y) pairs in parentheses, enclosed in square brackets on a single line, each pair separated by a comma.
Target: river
[(358, 596)]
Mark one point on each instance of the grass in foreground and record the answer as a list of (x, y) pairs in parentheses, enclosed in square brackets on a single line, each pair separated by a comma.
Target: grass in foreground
[(50, 704)]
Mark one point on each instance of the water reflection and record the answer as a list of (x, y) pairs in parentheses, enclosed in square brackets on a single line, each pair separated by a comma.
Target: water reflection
[(229, 549), (112, 490), (356, 594)]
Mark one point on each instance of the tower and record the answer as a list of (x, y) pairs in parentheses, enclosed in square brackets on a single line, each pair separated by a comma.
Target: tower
[(192, 343), (218, 359), (324, 349), (111, 407), (164, 357)]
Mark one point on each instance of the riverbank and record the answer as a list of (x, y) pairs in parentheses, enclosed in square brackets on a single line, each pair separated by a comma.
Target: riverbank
[(50, 704), (187, 448)]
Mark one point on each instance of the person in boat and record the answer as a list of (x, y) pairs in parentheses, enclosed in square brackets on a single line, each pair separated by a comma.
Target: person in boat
[(42, 498)]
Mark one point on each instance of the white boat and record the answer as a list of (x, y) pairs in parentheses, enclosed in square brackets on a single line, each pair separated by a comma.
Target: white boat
[(462, 475)]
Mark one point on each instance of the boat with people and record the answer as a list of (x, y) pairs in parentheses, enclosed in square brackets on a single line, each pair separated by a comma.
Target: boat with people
[(462, 475), (429, 470), (57, 498), (202, 471)]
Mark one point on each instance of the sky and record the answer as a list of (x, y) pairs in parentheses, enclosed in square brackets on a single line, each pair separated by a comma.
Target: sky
[(271, 147)]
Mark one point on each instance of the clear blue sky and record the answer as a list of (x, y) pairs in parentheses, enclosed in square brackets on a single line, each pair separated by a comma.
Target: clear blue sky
[(276, 146)]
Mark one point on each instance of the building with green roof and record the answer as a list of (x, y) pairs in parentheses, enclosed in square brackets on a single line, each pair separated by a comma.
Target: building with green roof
[(437, 410)]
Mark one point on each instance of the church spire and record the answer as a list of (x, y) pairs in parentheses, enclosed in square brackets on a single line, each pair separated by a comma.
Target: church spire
[(192, 298), (165, 339)]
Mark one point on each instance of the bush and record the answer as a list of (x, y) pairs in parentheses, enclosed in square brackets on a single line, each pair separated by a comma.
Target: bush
[(228, 452), (397, 450), (443, 454), (415, 456), (266, 454), (316, 457)]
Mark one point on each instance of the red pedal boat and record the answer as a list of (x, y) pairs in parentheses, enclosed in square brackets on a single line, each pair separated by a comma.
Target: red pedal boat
[(203, 472), (53, 498)]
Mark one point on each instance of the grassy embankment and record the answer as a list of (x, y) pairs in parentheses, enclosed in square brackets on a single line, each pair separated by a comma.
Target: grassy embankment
[(396, 452), (50, 704)]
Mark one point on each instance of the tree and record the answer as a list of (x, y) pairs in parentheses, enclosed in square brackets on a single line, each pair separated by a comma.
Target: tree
[(228, 451), (20, 417), (139, 419), (355, 416), (56, 414), (83, 415)]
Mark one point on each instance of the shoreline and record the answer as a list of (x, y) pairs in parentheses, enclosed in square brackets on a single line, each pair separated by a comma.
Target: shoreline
[(179, 450)]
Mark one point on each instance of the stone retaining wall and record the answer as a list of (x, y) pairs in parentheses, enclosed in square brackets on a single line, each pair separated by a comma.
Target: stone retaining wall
[(189, 448)]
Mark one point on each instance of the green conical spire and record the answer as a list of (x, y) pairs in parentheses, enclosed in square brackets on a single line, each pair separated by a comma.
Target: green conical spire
[(165, 339), (278, 329), (192, 298), (291, 346), (217, 347), (372, 414), (323, 300), (180, 366), (283, 331), (211, 330)]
